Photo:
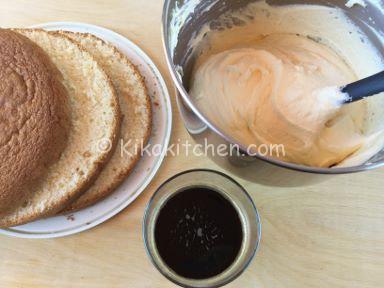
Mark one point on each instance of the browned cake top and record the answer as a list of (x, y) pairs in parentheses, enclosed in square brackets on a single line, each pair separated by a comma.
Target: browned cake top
[(33, 116)]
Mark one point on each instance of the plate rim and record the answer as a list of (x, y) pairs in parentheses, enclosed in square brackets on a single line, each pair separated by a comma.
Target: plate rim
[(160, 159)]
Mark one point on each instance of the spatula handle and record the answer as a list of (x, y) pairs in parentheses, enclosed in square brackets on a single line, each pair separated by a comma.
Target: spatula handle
[(365, 87)]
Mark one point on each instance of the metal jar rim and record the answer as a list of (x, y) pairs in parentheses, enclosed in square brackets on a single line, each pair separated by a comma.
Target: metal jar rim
[(250, 244)]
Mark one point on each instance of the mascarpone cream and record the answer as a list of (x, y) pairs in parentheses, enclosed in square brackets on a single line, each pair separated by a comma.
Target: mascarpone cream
[(280, 87)]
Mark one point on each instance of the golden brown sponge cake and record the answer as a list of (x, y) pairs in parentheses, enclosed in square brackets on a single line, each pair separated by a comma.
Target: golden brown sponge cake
[(95, 120), (33, 117), (136, 122)]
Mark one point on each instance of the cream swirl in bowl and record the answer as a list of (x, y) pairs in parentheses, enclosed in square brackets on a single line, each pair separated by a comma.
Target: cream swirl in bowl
[(277, 88)]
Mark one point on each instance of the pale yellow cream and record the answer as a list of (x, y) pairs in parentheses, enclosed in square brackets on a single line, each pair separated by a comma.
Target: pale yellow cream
[(273, 89)]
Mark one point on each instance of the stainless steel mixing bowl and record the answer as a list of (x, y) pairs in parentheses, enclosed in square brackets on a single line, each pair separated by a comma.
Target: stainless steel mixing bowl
[(178, 30)]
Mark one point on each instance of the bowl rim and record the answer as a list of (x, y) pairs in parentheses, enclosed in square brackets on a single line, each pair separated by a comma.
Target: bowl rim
[(187, 100)]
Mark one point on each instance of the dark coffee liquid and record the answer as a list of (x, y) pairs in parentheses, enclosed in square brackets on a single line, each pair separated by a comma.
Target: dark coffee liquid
[(198, 233)]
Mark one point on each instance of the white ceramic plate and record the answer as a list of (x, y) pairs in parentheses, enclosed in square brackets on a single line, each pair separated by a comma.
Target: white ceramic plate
[(145, 170)]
